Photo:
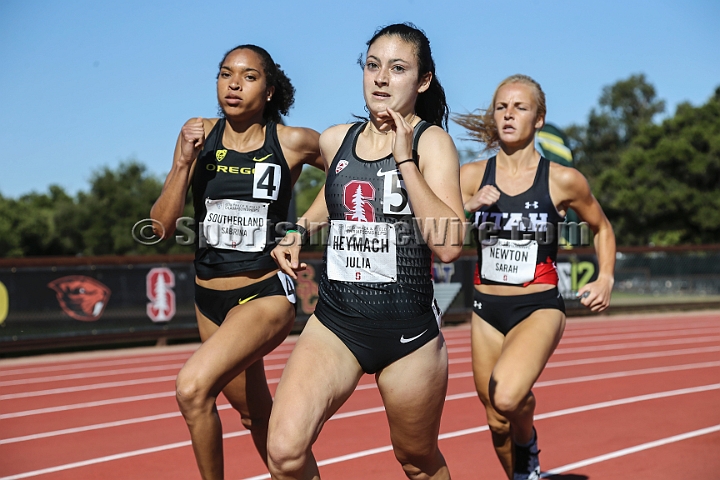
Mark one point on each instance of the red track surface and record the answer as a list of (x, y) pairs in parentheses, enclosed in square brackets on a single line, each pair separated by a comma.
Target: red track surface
[(622, 398)]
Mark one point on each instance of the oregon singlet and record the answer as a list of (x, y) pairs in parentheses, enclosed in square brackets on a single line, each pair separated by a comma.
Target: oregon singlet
[(238, 200), (376, 270), (517, 236)]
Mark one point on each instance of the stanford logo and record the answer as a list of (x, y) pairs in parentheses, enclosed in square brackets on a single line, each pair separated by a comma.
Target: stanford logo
[(357, 196), (81, 297), (159, 283)]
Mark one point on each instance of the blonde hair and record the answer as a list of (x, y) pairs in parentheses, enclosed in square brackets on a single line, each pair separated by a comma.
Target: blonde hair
[(481, 125)]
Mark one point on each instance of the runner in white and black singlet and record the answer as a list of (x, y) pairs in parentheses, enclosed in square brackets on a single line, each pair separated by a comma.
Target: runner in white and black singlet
[(516, 200), (376, 313), (241, 168)]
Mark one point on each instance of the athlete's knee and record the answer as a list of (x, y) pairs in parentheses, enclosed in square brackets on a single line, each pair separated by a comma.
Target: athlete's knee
[(284, 458), (507, 399), (287, 454), (190, 393), (421, 464)]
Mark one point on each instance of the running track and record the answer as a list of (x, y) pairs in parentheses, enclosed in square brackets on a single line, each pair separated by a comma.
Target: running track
[(633, 397)]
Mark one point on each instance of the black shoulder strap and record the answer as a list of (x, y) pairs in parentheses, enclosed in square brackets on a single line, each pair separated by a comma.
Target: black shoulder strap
[(489, 175), (418, 131)]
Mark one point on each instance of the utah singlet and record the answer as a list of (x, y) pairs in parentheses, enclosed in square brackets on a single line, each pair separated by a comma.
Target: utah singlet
[(376, 291), (238, 200), (504, 256), (517, 240)]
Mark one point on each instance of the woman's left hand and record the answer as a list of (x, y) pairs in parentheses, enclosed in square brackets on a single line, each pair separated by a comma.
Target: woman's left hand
[(402, 139), (596, 295)]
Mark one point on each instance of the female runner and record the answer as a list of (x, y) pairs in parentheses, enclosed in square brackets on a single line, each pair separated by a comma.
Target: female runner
[(376, 312), (518, 313), (241, 168)]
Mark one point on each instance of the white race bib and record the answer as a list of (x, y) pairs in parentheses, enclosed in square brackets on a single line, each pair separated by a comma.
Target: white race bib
[(509, 261), (235, 225), (362, 252)]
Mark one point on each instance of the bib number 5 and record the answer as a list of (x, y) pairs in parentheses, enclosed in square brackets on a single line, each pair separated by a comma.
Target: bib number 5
[(395, 196)]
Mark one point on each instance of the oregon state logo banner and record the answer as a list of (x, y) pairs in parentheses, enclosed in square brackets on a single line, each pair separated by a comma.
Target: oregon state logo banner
[(220, 154), (83, 298)]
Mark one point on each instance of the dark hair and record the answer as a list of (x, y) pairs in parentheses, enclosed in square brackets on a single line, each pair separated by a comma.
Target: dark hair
[(481, 126), (430, 105), (284, 95)]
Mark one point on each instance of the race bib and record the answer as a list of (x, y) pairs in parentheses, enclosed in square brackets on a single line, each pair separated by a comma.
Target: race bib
[(362, 252), (235, 225), (509, 261)]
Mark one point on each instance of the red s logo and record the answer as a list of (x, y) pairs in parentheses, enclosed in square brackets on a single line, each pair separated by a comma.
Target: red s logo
[(159, 283), (81, 297), (357, 196)]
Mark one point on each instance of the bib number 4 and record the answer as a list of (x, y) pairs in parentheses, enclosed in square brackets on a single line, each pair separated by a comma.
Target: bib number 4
[(266, 181)]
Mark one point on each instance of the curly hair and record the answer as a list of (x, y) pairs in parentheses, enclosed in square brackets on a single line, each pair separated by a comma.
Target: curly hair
[(284, 95), (431, 105), (481, 125)]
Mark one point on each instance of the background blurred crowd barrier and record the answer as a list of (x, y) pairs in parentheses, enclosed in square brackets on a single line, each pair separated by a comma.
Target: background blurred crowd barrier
[(56, 303)]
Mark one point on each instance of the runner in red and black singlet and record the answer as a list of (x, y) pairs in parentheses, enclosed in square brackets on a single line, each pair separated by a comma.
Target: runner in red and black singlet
[(516, 200), (241, 168), (375, 312)]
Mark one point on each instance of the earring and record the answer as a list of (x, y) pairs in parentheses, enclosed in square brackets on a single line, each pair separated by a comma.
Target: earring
[(268, 99)]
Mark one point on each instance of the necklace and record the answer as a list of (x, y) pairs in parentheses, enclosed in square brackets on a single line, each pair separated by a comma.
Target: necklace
[(378, 132)]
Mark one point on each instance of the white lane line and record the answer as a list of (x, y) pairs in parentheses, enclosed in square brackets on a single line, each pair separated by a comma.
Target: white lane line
[(101, 373), (617, 346), (632, 336), (631, 450), (91, 364), (355, 413), (119, 456), (616, 358), (603, 329), (100, 426), (607, 376), (70, 361), (273, 367), (84, 388), (620, 346), (124, 371), (470, 431), (606, 334), (160, 448), (84, 405)]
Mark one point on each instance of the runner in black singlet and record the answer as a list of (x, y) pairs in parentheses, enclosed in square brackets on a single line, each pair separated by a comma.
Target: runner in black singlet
[(241, 168), (516, 200), (387, 179)]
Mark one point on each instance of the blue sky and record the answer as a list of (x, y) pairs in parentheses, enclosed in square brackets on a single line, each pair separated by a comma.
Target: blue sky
[(87, 84)]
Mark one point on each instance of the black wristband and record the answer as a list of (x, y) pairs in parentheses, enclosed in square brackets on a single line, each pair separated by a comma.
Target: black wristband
[(304, 235), (397, 164)]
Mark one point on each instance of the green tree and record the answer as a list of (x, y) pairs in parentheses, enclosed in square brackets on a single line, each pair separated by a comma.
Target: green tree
[(664, 188), (117, 200), (29, 225), (624, 109), (308, 185)]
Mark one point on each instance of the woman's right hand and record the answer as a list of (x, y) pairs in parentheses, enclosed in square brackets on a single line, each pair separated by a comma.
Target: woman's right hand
[(287, 254), (484, 197), (192, 139)]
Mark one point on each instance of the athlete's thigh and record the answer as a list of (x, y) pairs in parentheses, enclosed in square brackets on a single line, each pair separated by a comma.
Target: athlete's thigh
[(320, 375), (413, 389), (486, 345), (248, 332), (527, 348)]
